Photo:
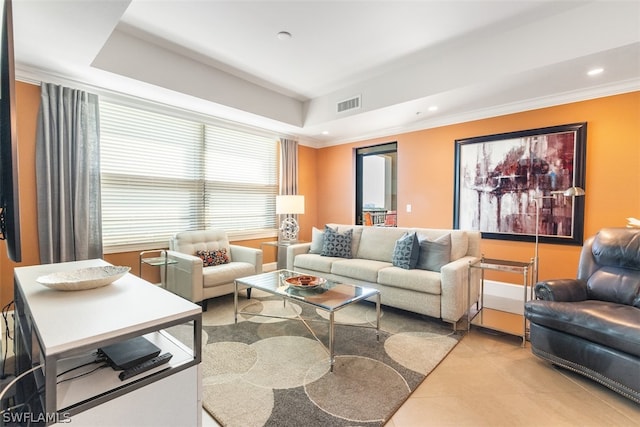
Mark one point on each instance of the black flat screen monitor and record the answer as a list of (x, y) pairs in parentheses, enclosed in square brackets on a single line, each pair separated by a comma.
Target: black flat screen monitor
[(9, 203)]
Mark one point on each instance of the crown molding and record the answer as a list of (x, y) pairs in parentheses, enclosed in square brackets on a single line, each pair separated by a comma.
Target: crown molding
[(618, 88)]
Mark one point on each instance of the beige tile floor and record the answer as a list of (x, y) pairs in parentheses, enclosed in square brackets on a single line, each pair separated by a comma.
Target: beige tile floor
[(490, 380)]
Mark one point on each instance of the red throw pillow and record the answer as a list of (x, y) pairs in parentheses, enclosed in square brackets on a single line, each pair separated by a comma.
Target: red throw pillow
[(210, 258)]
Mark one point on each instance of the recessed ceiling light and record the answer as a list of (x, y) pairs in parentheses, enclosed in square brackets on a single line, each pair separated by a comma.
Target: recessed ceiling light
[(284, 35), (595, 71), (325, 132), (433, 108)]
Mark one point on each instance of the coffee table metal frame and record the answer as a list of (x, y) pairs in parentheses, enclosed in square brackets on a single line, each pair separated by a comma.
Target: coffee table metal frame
[(330, 297)]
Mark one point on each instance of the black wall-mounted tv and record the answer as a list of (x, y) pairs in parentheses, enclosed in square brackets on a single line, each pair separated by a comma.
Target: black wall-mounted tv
[(9, 198)]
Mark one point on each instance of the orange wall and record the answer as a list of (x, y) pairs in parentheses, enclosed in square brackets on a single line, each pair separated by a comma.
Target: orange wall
[(426, 174), (27, 101), (425, 179)]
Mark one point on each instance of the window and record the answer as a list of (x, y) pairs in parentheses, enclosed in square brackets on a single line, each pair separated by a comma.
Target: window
[(163, 174), (241, 180)]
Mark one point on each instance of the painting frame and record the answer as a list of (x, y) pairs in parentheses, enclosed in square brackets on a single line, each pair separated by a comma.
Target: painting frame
[(504, 182)]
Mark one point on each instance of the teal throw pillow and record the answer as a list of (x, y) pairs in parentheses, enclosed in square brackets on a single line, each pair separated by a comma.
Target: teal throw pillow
[(317, 241), (434, 253), (336, 244), (406, 251)]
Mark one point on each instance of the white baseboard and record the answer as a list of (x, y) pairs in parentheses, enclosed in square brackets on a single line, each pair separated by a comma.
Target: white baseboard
[(505, 296), (506, 290), (270, 266)]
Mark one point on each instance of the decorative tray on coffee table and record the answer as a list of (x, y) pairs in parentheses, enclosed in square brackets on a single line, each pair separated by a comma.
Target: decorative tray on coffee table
[(305, 282)]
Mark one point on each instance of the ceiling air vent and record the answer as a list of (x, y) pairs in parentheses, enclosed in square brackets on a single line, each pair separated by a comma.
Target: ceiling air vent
[(349, 104)]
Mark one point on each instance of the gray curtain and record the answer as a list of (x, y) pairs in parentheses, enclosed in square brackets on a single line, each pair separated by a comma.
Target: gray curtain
[(288, 171), (68, 175), (288, 167)]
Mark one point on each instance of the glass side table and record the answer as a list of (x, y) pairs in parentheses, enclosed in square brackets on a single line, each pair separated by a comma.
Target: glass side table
[(499, 320), (159, 260)]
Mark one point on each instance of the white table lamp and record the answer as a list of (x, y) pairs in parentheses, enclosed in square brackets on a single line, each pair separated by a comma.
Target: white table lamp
[(289, 205)]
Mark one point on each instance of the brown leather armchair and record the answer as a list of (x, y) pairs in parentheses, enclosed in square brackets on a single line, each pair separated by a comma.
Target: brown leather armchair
[(591, 325)]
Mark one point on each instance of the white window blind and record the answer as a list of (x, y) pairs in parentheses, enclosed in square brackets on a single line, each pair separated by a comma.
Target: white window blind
[(161, 175), (241, 180)]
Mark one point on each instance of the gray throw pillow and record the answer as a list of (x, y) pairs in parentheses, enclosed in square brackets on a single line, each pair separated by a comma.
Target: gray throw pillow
[(406, 251), (337, 244), (434, 253), (317, 241)]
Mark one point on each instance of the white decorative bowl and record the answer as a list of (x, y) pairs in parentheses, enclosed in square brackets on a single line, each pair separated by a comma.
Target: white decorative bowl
[(84, 278)]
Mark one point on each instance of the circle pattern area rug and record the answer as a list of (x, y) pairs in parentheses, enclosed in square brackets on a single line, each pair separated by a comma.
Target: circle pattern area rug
[(270, 370)]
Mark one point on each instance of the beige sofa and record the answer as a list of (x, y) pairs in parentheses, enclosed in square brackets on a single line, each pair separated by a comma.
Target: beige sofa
[(440, 292)]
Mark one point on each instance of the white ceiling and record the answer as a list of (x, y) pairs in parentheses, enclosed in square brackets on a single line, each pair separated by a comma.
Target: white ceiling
[(471, 59)]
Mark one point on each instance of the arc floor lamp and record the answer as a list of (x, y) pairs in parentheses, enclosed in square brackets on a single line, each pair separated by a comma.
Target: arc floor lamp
[(569, 192)]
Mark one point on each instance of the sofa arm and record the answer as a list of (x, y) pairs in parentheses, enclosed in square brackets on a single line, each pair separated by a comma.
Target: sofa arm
[(454, 278), (294, 250), (566, 290), (246, 254), (184, 275)]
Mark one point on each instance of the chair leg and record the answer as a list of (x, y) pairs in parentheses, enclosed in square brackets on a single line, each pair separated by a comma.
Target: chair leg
[(249, 293), (203, 304)]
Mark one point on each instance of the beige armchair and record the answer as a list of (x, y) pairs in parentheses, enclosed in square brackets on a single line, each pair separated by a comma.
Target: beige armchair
[(188, 277)]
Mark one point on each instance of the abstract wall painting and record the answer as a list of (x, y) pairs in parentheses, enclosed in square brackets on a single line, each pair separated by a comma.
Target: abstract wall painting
[(501, 180)]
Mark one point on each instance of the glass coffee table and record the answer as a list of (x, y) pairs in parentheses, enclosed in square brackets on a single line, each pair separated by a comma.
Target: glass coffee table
[(324, 294)]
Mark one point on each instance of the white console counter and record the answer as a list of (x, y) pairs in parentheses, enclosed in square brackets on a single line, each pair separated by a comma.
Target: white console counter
[(63, 329)]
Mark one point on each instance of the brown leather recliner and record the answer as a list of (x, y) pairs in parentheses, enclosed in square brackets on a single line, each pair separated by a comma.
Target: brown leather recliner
[(591, 325)]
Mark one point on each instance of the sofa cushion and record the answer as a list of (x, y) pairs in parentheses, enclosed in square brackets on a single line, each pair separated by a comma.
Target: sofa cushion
[(434, 253), (361, 269), (317, 241), (616, 254), (188, 242), (416, 280), (226, 273), (315, 262), (606, 323), (377, 243), (210, 258), (406, 251), (336, 243), (615, 284), (617, 247)]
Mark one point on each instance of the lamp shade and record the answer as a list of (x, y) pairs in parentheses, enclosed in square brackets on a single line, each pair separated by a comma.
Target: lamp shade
[(574, 192), (293, 204)]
